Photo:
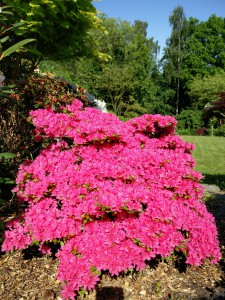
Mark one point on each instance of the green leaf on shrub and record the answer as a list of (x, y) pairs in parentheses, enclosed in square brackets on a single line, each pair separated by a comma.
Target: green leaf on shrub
[(36, 243), (95, 271), (82, 293), (7, 91), (2, 202), (3, 40), (15, 47), (6, 180), (62, 243), (7, 155)]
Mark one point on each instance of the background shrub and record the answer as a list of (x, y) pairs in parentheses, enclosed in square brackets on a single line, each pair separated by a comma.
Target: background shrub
[(15, 126), (202, 131), (220, 131)]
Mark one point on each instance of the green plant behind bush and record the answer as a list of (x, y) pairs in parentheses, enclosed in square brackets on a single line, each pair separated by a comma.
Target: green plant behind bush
[(220, 131), (189, 121)]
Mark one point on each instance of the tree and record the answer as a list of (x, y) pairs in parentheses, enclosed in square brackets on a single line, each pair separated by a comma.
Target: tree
[(207, 96), (125, 80), (117, 84), (174, 52), (61, 29), (189, 121), (205, 91), (217, 108), (130, 48), (141, 54), (205, 47)]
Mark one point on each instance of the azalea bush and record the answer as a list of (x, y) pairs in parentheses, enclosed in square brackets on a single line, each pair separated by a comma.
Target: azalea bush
[(112, 195)]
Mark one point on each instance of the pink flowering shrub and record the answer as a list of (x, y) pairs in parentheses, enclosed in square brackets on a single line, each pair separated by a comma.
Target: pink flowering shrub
[(114, 194)]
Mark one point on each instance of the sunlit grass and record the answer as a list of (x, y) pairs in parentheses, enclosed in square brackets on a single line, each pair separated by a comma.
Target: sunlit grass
[(209, 155)]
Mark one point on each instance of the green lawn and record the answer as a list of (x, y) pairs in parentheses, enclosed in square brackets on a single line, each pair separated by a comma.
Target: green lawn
[(209, 155)]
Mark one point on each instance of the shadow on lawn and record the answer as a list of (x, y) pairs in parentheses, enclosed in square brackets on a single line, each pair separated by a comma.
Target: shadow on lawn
[(216, 205), (217, 179)]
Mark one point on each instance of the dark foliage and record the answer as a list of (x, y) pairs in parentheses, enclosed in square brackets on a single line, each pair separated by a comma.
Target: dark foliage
[(202, 131), (15, 128)]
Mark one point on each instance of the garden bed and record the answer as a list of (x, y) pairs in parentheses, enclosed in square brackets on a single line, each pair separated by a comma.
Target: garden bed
[(29, 276)]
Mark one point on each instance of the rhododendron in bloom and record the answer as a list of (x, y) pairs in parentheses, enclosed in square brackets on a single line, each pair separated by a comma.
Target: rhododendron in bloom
[(114, 194)]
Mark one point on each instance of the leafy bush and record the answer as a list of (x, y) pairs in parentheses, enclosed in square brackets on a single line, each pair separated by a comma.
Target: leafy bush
[(112, 194), (220, 131), (188, 121), (44, 91), (35, 92)]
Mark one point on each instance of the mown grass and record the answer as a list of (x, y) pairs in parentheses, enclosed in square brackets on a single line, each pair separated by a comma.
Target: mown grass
[(209, 155)]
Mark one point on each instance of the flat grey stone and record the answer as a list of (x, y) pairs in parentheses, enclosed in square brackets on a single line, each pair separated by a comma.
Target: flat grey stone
[(211, 188)]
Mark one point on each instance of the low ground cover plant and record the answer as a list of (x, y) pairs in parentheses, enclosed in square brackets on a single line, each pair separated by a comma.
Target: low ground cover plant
[(111, 194)]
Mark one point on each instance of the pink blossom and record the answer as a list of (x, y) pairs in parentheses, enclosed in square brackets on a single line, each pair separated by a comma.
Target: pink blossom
[(113, 194)]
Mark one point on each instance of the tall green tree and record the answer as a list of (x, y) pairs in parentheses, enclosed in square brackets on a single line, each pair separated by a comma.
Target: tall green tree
[(141, 54), (205, 47), (202, 73), (132, 55), (174, 52)]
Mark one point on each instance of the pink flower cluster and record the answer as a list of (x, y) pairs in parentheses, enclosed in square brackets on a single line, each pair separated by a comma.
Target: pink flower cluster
[(114, 193)]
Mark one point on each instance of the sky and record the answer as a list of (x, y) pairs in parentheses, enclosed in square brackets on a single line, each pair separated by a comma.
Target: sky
[(157, 12)]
